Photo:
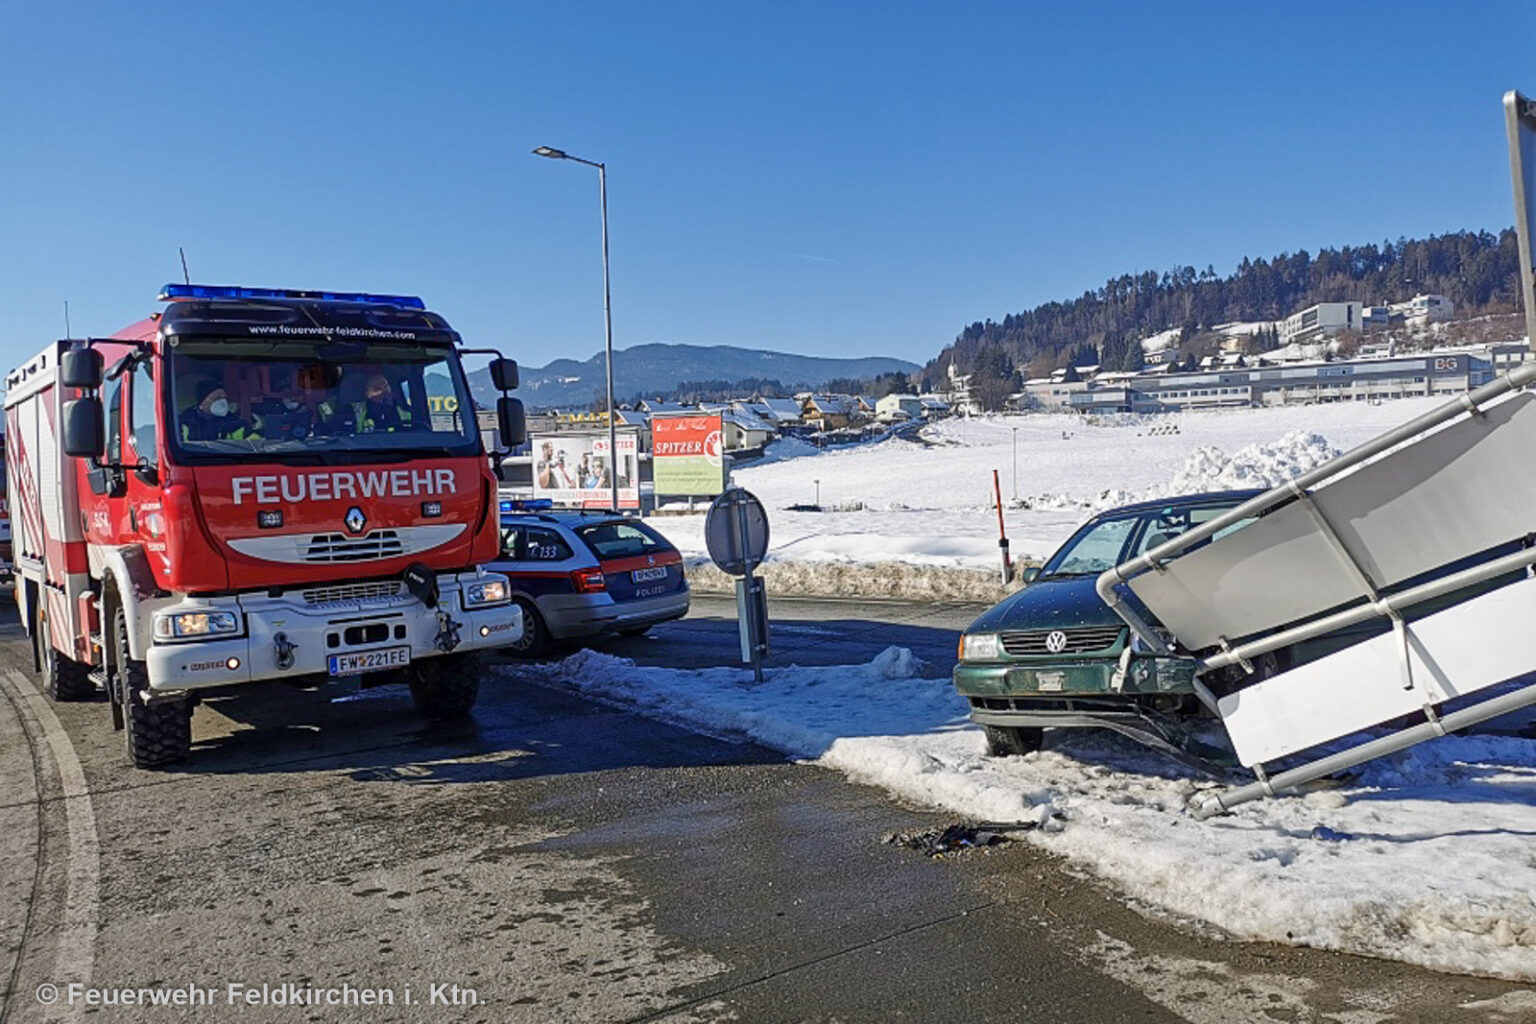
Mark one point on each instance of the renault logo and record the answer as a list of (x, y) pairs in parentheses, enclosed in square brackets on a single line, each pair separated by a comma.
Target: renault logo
[(1056, 641), (355, 520)]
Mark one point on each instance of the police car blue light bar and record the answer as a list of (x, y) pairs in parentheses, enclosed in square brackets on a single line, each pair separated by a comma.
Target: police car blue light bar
[(221, 291), (525, 504)]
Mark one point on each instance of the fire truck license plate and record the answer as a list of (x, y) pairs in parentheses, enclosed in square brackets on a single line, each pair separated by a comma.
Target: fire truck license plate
[(644, 575), (369, 661)]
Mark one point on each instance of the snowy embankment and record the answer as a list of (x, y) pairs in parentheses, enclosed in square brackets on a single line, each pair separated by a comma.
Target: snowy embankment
[(1425, 857)]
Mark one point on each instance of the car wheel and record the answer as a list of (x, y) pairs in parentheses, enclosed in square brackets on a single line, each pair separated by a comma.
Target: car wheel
[(1011, 741), (534, 643), (64, 679), (635, 631), (446, 686), (158, 734)]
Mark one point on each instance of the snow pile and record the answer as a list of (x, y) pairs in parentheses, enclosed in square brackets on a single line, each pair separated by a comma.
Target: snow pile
[(1259, 466), (1425, 859)]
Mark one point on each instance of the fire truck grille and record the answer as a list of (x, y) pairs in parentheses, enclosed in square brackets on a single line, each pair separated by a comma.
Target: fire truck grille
[(352, 592), (338, 547)]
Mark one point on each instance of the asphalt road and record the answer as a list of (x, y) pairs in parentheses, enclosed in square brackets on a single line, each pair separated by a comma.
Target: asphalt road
[(557, 860)]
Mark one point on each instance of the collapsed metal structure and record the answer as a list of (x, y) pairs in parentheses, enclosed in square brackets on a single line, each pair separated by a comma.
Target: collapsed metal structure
[(1429, 528)]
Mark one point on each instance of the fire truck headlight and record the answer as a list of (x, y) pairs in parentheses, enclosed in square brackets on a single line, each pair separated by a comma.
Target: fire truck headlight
[(189, 625), (482, 593)]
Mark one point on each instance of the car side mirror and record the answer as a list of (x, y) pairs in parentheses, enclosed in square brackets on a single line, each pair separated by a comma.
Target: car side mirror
[(504, 374), (1029, 575), (84, 434), (512, 421), (80, 368)]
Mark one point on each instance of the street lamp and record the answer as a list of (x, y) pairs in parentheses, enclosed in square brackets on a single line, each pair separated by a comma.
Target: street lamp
[(602, 188)]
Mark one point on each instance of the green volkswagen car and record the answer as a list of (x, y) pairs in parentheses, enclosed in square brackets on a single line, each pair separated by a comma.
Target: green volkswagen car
[(1054, 655)]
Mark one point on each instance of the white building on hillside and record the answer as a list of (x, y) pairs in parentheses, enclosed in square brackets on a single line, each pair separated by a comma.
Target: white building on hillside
[(1315, 322)]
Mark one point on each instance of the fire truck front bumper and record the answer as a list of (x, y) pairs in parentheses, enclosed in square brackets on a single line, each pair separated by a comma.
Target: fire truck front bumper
[(336, 631)]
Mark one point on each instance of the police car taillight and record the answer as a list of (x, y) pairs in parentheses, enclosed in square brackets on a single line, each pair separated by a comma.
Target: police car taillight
[(588, 581)]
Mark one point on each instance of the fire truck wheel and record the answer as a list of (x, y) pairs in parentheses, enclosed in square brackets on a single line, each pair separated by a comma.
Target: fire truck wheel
[(446, 686), (63, 678), (158, 734), (535, 639)]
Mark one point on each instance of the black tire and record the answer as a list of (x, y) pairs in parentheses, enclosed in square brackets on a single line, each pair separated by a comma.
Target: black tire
[(635, 631), (535, 641), (64, 678), (157, 734), (446, 686), (1011, 741)]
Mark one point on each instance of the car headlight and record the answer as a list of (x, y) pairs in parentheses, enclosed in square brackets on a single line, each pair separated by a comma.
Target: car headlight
[(195, 625), (979, 646), (482, 593)]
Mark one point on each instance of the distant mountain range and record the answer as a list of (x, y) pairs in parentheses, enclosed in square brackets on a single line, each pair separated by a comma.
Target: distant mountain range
[(648, 370)]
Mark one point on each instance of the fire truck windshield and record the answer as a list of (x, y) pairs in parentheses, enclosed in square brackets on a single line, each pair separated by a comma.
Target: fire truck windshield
[(241, 399)]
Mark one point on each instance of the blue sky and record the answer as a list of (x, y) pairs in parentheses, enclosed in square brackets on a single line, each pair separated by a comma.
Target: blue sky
[(830, 179)]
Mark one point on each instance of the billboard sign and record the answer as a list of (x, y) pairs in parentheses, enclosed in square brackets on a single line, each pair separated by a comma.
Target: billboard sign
[(572, 469), (686, 455)]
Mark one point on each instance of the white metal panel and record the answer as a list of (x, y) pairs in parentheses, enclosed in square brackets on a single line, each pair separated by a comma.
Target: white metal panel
[(1461, 650), (1449, 494), (1272, 571)]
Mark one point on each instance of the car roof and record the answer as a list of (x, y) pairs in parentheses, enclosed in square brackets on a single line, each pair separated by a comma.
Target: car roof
[(564, 517), (1233, 497)]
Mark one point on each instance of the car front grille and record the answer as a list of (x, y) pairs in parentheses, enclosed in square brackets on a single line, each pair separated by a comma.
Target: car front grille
[(1077, 641), (352, 592), (338, 547)]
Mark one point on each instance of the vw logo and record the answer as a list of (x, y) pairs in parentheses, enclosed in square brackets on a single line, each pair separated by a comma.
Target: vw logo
[(1056, 641), (650, 559), (355, 520)]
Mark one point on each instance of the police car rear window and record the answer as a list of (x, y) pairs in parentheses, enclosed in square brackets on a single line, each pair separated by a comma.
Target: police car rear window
[(621, 540)]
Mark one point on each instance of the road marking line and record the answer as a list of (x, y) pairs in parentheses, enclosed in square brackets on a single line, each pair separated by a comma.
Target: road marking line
[(77, 938)]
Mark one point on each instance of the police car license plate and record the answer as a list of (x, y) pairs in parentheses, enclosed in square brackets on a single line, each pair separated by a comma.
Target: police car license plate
[(369, 661), (646, 575)]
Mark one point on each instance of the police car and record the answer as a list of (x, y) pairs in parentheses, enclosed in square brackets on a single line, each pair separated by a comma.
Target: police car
[(578, 575)]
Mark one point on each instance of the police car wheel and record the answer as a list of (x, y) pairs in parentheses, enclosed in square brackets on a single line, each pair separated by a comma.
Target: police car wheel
[(534, 642), (446, 686), (64, 679)]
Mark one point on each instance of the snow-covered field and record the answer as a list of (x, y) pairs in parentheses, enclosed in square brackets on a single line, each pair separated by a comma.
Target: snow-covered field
[(917, 509), (1428, 856)]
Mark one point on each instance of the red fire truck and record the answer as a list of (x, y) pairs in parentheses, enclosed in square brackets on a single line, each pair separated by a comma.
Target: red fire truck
[(256, 484)]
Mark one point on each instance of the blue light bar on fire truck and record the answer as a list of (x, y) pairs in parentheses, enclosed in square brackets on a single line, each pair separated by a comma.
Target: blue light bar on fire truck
[(221, 291)]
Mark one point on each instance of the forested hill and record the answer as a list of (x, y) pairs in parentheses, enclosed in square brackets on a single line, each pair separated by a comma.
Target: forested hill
[(1479, 272)]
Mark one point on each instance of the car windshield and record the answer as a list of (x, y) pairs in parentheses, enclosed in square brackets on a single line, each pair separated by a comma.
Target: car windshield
[(1106, 542), (236, 398), (621, 539)]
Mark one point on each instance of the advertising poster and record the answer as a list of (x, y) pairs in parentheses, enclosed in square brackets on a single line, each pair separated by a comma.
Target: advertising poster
[(572, 469), (686, 455)]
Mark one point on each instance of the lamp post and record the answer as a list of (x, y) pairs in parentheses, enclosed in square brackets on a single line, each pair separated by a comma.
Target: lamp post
[(602, 188), (818, 492)]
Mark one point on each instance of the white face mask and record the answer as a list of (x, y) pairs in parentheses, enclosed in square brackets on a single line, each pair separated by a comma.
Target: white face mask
[(220, 407)]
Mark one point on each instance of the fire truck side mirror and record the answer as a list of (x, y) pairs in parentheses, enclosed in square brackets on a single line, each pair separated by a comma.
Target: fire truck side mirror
[(80, 368), (512, 421), (84, 436), (504, 374)]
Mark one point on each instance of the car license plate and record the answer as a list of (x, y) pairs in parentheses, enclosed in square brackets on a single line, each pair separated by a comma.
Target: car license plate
[(646, 575), (1047, 681), (369, 661)]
